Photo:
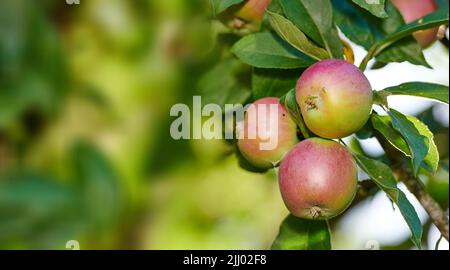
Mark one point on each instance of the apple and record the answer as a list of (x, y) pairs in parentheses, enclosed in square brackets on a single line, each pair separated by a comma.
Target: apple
[(335, 98), (271, 139), (318, 179)]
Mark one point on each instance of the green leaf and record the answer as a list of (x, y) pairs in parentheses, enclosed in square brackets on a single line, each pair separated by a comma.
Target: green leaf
[(99, 183), (382, 175), (354, 24), (266, 50), (290, 102), (403, 32), (442, 4), (222, 84), (275, 6), (418, 144), (406, 49), (25, 48), (273, 82), (315, 19), (367, 30), (381, 98), (365, 132), (437, 18), (420, 89), (37, 211), (302, 234), (427, 117), (35, 191), (294, 36), (355, 146), (431, 160), (376, 7), (219, 6), (384, 125)]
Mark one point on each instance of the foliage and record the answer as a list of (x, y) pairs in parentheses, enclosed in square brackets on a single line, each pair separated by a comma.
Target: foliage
[(296, 233), (300, 33), (84, 98)]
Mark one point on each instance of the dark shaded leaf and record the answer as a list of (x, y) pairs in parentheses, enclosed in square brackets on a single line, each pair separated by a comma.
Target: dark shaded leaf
[(383, 49), (38, 212), (418, 144), (384, 125), (441, 16), (403, 50), (366, 30), (315, 19), (365, 132), (273, 82), (223, 85), (354, 24), (290, 102), (99, 185), (382, 175)]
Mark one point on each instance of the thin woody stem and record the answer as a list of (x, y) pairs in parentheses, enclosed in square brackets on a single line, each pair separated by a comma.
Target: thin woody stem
[(403, 172)]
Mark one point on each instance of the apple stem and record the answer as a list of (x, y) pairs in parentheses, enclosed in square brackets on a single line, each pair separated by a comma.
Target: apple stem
[(415, 186), (315, 212)]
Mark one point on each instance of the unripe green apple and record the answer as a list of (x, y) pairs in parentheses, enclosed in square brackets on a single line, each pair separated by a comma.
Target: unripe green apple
[(318, 179), (412, 10), (335, 98), (271, 139)]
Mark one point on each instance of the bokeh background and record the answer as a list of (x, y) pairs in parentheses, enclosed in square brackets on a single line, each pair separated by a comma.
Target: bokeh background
[(85, 149)]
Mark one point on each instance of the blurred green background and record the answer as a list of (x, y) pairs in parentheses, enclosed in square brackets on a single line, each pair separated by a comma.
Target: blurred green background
[(85, 149)]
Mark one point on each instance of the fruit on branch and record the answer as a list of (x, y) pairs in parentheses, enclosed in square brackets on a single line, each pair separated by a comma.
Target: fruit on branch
[(248, 15), (267, 133), (253, 10), (318, 179), (412, 10), (335, 98)]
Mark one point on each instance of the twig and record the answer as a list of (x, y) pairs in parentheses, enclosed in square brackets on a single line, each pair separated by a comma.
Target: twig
[(436, 247), (404, 174), (366, 188)]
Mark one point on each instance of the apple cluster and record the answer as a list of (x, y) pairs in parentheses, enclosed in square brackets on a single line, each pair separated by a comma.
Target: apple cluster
[(250, 14), (317, 176)]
